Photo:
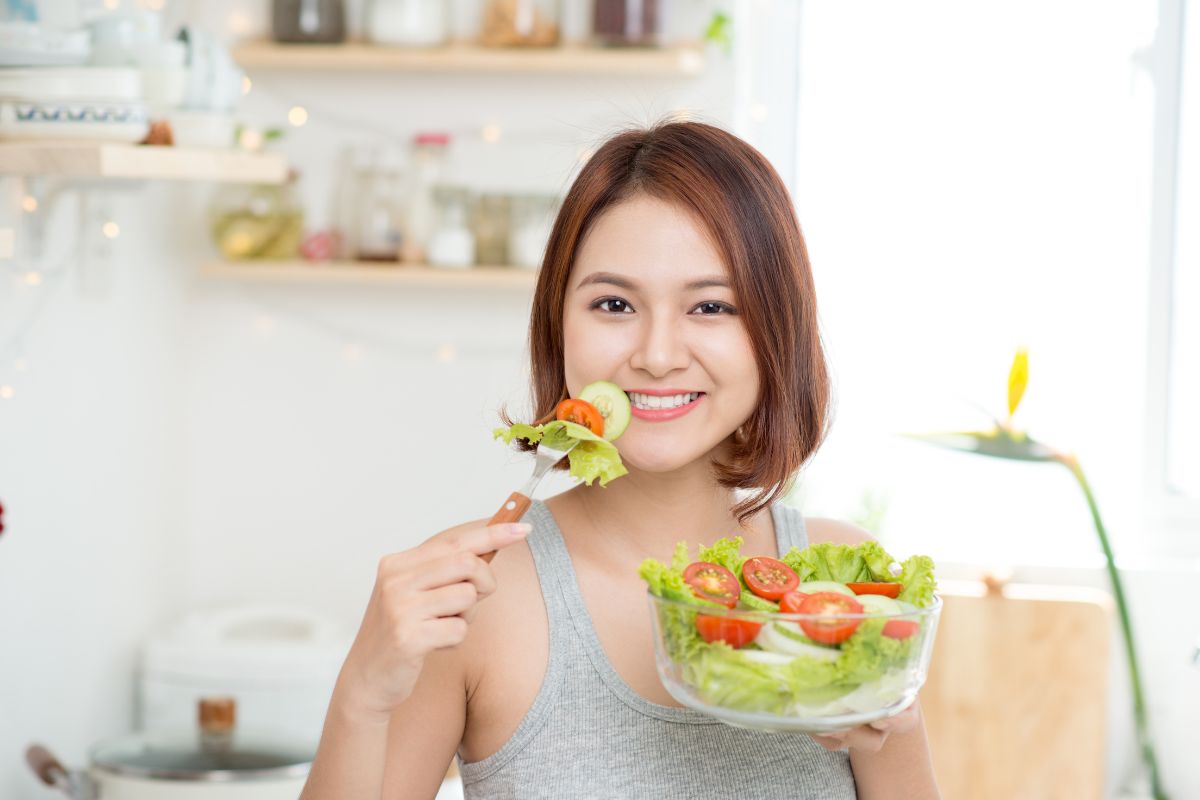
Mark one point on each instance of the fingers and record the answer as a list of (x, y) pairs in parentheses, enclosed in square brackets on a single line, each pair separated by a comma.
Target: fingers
[(462, 566), (477, 540), (864, 738), (448, 601)]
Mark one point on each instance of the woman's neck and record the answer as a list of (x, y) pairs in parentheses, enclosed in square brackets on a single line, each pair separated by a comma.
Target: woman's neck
[(644, 514)]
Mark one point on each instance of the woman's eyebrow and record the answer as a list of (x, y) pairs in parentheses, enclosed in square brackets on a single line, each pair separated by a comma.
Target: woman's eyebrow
[(624, 283)]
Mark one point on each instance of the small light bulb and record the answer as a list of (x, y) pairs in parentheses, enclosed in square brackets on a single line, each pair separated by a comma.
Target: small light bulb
[(246, 84), (491, 133), (7, 392), (21, 364), (33, 279), (29, 203), (111, 230), (112, 5), (251, 139), (446, 353), (298, 116), (239, 23)]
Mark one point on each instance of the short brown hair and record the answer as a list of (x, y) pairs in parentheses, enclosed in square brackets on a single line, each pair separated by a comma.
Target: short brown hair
[(740, 199)]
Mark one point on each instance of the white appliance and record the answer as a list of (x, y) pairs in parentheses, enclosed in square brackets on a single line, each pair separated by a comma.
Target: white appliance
[(279, 663)]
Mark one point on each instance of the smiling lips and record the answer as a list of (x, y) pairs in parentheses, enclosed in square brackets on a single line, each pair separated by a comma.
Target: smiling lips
[(660, 405)]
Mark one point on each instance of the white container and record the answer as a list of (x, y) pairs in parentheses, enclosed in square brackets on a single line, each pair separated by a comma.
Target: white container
[(94, 103), (278, 663), (408, 23)]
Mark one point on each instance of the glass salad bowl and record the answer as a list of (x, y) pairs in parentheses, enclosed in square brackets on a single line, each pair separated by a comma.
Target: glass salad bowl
[(794, 672)]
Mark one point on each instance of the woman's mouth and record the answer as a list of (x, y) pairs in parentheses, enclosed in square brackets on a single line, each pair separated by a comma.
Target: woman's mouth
[(660, 407)]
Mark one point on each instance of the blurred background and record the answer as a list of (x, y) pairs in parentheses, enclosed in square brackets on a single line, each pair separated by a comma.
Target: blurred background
[(242, 362)]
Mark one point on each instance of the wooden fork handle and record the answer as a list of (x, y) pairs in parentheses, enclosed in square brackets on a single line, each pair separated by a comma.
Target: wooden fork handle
[(513, 509)]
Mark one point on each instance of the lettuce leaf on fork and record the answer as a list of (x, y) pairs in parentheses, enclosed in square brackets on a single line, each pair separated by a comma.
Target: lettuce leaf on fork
[(594, 458)]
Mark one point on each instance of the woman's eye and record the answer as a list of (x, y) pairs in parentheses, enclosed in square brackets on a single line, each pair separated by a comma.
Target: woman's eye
[(713, 308), (613, 305)]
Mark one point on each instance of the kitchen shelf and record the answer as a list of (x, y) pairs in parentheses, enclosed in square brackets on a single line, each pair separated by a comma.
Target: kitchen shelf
[(109, 160), (677, 61), (358, 273)]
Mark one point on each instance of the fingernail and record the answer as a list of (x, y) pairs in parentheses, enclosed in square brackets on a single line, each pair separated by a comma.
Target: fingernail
[(519, 529)]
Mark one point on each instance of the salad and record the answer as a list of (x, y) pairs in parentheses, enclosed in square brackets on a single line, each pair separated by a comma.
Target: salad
[(596, 418), (727, 641)]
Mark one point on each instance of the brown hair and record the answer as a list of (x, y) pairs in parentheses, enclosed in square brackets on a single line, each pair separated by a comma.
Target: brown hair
[(736, 194)]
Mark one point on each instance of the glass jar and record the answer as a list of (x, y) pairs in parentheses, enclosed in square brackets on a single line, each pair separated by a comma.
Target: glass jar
[(427, 165), (308, 21), (408, 23), (521, 23), (628, 23), (452, 244), (376, 232), (251, 222), (491, 223), (532, 219)]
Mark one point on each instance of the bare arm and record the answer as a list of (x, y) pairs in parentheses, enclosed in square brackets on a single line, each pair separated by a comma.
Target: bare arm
[(900, 768), (393, 725)]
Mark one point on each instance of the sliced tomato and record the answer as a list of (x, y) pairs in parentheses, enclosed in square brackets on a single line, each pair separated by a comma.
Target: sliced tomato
[(730, 630), (830, 629), (886, 589), (790, 604), (581, 412), (713, 582), (769, 578), (900, 628)]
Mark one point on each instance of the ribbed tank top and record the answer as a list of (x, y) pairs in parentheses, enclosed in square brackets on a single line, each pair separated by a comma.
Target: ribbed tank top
[(588, 734)]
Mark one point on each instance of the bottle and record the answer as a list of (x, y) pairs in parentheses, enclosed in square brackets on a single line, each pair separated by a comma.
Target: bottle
[(408, 23), (452, 244), (427, 163), (308, 21), (377, 235)]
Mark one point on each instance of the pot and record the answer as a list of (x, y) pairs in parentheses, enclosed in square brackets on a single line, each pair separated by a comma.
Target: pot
[(216, 762)]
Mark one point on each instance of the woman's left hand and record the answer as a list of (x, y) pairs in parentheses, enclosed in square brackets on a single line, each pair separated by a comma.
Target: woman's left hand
[(870, 738)]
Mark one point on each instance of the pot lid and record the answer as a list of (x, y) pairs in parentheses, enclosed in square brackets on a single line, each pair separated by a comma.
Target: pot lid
[(197, 756)]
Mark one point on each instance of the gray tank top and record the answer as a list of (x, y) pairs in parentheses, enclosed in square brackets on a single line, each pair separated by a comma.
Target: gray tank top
[(589, 735)]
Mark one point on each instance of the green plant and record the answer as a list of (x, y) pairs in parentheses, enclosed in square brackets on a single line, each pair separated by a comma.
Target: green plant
[(1006, 441), (719, 31)]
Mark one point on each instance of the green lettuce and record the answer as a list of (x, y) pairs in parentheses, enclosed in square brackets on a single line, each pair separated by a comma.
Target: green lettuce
[(593, 458), (721, 675)]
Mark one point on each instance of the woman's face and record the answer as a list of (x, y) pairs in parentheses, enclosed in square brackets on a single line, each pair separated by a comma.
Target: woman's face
[(649, 307)]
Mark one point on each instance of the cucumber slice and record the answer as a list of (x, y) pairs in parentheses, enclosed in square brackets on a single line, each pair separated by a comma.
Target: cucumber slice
[(776, 638), (812, 587), (878, 604), (613, 405)]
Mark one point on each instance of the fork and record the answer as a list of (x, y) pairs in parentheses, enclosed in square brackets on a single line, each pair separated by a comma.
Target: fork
[(518, 502)]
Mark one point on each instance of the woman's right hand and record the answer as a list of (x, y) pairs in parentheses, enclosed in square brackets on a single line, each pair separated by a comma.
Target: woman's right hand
[(422, 601)]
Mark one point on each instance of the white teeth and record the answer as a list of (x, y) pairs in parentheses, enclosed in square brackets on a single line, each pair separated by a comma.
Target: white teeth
[(652, 401)]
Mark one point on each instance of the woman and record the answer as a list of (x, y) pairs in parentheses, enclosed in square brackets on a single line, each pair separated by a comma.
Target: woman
[(677, 270)]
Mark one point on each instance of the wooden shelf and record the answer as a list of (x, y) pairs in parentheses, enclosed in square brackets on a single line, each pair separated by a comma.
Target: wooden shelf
[(358, 273), (108, 160), (678, 61)]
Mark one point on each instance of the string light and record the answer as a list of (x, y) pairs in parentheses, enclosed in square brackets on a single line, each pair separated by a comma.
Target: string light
[(246, 85), (29, 203), (111, 230), (112, 5), (21, 364), (239, 23), (7, 392), (251, 139), (446, 353), (297, 116), (33, 279), (491, 133)]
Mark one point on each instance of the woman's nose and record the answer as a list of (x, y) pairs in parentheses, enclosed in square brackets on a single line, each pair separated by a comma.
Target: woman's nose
[(661, 349)]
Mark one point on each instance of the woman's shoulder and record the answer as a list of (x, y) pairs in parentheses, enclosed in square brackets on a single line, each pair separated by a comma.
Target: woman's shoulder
[(823, 529)]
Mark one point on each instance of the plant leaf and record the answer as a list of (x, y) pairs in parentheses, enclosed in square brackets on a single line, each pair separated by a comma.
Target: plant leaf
[(1018, 376), (998, 443)]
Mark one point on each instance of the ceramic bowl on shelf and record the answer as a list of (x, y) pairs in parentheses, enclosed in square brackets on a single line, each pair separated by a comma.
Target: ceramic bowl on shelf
[(92, 103)]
